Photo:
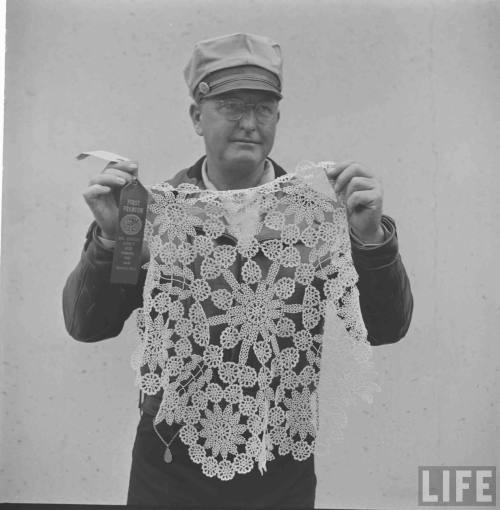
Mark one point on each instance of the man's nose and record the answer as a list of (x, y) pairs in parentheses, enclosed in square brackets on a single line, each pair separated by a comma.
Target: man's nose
[(248, 120)]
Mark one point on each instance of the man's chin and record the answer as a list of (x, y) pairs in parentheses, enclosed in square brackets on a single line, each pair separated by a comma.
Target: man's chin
[(246, 161)]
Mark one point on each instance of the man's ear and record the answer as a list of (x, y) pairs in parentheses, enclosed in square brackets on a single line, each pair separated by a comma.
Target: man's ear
[(279, 113), (195, 114)]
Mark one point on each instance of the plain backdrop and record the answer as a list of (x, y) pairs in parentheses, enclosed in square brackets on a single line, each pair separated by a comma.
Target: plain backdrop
[(411, 89)]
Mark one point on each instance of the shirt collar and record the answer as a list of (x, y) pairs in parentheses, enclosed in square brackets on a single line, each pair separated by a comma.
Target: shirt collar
[(267, 176)]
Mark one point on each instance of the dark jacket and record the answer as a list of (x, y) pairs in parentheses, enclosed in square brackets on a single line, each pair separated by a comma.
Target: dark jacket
[(94, 309)]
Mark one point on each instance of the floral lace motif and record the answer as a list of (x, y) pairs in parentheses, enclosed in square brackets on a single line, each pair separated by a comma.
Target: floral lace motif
[(247, 293)]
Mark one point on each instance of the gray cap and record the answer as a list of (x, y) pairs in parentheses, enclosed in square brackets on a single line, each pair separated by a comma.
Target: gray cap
[(232, 62)]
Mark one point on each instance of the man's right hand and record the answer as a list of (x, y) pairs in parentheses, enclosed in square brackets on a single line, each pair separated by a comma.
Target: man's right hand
[(103, 193)]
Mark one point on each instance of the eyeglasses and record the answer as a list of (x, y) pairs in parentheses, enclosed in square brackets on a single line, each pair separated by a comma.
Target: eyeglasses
[(234, 109)]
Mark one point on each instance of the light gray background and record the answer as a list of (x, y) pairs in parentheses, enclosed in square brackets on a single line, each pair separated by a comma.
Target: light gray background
[(410, 89)]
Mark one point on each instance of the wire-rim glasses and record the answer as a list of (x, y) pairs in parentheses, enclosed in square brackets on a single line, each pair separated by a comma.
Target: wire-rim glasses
[(234, 109)]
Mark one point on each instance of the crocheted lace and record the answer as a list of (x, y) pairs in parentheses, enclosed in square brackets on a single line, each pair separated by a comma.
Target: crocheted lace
[(248, 293)]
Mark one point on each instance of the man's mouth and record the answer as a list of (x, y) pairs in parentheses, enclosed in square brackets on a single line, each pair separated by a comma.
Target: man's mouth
[(241, 140)]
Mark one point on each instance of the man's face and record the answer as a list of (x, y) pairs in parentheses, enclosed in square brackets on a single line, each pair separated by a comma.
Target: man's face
[(237, 144)]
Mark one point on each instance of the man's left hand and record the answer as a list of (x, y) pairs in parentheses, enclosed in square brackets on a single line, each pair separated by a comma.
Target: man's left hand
[(362, 195)]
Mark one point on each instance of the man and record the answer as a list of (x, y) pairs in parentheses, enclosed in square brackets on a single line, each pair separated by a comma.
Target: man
[(236, 84)]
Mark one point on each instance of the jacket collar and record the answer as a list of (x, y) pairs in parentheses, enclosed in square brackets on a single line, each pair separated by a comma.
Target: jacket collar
[(194, 172)]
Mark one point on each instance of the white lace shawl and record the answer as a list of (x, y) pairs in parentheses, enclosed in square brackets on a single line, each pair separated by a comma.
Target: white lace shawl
[(248, 293)]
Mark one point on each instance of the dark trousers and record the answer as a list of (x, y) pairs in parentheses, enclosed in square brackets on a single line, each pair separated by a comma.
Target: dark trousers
[(287, 483)]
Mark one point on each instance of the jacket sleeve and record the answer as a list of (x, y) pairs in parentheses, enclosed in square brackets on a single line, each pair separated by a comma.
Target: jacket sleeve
[(95, 309), (385, 296)]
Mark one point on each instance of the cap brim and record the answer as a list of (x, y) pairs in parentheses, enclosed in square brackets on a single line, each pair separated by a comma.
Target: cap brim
[(243, 84)]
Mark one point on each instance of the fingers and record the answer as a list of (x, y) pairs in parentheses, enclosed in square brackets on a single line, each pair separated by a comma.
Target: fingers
[(362, 183), (124, 169), (333, 173), (103, 193), (364, 199), (102, 203), (114, 176), (111, 179), (128, 167), (343, 172), (95, 191)]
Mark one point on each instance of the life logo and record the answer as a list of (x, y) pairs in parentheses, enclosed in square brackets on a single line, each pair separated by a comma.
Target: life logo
[(457, 485)]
